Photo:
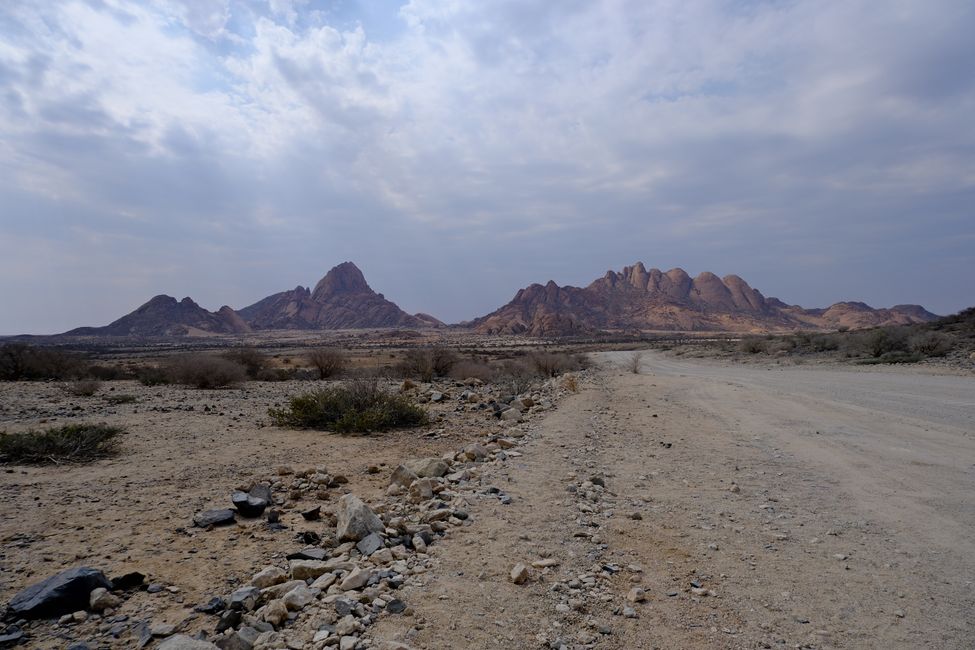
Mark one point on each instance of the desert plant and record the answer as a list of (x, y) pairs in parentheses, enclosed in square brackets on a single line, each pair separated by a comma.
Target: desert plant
[(570, 383), (327, 362), (83, 387), (205, 371), (152, 375), (473, 369), (752, 345), (252, 359), (19, 361), (553, 364), (426, 363), (355, 407), (930, 344), (634, 362), (121, 399), (74, 443)]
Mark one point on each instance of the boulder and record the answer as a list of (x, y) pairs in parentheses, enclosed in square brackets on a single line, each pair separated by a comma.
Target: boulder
[(427, 467), (252, 504), (402, 476), (64, 593), (356, 520), (268, 576), (183, 642), (101, 599), (370, 544), (298, 598), (308, 569), (218, 517)]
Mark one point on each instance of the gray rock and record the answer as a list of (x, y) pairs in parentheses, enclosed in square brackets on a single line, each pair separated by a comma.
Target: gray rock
[(101, 599), (311, 553), (64, 593), (370, 544), (245, 598), (248, 505), (218, 517), (183, 642), (427, 467), (403, 476), (356, 520)]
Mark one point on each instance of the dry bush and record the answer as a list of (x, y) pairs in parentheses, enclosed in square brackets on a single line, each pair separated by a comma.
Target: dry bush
[(122, 398), (252, 359), (570, 383), (205, 371), (152, 375), (473, 369), (553, 364), (359, 406), (752, 345), (83, 387), (19, 361), (328, 362), (74, 443), (930, 344), (633, 363), (427, 363)]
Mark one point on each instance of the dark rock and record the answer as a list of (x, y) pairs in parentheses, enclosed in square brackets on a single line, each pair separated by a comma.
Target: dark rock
[(461, 514), (309, 537), (145, 635), (273, 516), (369, 544), (63, 593), (11, 637), (154, 588), (598, 480), (230, 620), (248, 505), (218, 517), (245, 598), (344, 606), (319, 554), (129, 580), (396, 606), (212, 606), (312, 514), (81, 645)]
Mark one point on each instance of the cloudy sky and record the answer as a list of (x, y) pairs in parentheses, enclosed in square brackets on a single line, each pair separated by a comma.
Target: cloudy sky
[(457, 150)]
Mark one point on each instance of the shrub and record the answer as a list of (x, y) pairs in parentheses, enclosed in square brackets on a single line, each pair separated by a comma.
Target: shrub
[(633, 363), (252, 359), (74, 443), (473, 369), (553, 364), (930, 344), (83, 387), (752, 345), (152, 375), (356, 407), (570, 383), (427, 363), (883, 340), (121, 399), (204, 371), (327, 362), (19, 361), (108, 373)]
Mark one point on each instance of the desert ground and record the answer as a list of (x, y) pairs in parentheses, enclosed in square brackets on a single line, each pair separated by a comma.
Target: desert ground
[(696, 504)]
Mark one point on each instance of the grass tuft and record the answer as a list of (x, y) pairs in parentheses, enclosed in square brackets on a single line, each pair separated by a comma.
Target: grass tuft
[(73, 443)]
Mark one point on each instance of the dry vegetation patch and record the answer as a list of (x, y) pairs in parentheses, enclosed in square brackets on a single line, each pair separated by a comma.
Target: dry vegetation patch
[(358, 406), (73, 443)]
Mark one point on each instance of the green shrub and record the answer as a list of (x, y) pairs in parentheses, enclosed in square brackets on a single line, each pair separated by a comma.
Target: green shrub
[(204, 371), (356, 407), (74, 443)]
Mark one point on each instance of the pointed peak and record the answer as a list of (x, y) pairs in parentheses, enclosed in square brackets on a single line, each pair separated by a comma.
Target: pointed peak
[(344, 278)]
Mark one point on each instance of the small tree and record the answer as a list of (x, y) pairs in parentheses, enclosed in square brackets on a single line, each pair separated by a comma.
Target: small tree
[(327, 362), (633, 365)]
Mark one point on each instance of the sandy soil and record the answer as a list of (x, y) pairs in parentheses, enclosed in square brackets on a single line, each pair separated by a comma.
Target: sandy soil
[(758, 507)]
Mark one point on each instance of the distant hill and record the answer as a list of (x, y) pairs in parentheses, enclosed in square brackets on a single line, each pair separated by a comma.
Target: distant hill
[(638, 299), (341, 300), (165, 316)]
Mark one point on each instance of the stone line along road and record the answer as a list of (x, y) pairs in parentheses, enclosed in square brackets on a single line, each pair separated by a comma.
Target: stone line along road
[(756, 507)]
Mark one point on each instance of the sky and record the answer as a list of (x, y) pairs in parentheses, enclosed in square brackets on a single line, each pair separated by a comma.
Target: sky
[(458, 150)]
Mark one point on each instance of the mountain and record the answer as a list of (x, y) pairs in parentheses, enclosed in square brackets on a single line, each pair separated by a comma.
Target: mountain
[(638, 299), (340, 300), (165, 316)]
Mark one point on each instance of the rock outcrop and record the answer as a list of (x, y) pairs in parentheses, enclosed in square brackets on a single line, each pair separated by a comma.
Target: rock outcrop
[(166, 316), (637, 299)]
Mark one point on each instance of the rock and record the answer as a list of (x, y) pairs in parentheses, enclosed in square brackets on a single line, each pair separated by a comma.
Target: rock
[(357, 579), (101, 599), (229, 620), (382, 556), (545, 563), (162, 629), (308, 569), (636, 595), (519, 574), (370, 544), (421, 490), (64, 593), (278, 591), (269, 576), (275, 612), (348, 643), (475, 452), (324, 581), (129, 580), (427, 467), (436, 397), (310, 553), (403, 476), (346, 625), (298, 598), (396, 606), (218, 517), (511, 415), (245, 598), (11, 636), (356, 520), (183, 642), (312, 514), (252, 504), (419, 544)]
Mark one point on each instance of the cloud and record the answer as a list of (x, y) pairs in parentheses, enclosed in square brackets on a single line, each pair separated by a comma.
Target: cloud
[(458, 150)]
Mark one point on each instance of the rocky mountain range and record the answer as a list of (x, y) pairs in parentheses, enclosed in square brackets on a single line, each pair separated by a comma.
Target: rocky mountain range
[(633, 299), (636, 299)]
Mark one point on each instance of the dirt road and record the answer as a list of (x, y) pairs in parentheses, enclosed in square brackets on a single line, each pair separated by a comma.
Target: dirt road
[(757, 508)]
